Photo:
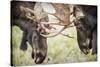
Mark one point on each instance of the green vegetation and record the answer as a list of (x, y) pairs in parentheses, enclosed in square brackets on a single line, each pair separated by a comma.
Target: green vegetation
[(61, 49)]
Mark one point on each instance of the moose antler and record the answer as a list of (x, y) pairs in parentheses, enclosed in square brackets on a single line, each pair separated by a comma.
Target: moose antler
[(66, 14), (37, 13), (62, 14), (28, 12)]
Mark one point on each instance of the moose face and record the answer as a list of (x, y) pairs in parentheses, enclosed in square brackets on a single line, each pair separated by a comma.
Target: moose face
[(39, 47), (83, 41), (29, 28), (86, 30)]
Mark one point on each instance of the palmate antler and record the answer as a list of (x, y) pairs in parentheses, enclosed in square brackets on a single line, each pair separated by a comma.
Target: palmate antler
[(36, 15), (66, 14), (62, 14)]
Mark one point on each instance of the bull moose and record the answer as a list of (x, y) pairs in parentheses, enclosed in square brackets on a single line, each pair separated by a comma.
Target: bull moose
[(29, 28), (87, 29), (33, 21)]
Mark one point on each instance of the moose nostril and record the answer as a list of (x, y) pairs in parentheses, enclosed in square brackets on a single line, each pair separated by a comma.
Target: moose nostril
[(39, 58), (84, 51), (38, 61), (33, 55)]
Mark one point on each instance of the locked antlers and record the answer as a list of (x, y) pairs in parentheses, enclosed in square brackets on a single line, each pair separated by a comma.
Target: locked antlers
[(63, 13)]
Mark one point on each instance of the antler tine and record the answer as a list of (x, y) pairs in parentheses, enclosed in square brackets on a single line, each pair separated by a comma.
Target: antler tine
[(54, 14), (22, 8), (60, 32), (30, 17), (66, 35), (54, 34), (28, 12), (27, 9)]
